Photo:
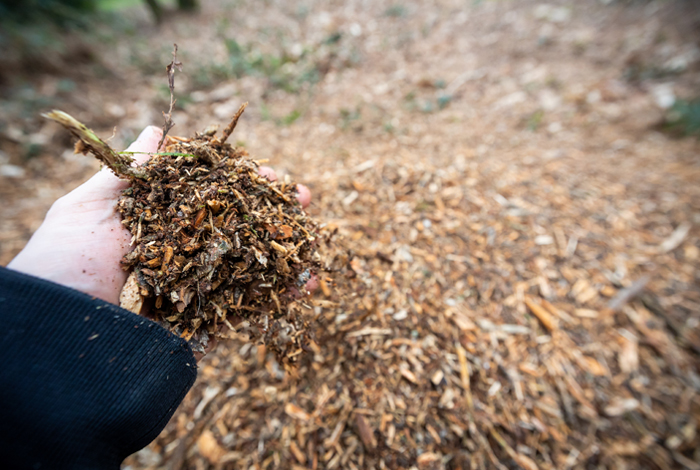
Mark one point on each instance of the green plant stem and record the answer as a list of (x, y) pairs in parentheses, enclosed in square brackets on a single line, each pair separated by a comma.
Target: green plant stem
[(89, 141)]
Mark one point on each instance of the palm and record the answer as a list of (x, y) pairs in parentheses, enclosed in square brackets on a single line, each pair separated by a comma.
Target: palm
[(81, 241)]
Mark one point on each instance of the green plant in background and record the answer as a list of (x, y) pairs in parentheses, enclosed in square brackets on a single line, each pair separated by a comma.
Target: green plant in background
[(684, 117), (286, 120), (291, 117), (333, 38), (443, 100), (63, 12), (31, 6), (348, 117), (439, 101), (115, 5), (265, 113), (395, 11), (284, 71), (534, 120), (237, 58)]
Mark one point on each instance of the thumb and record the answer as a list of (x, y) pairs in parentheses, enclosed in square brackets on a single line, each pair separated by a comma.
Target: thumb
[(105, 184), (146, 142)]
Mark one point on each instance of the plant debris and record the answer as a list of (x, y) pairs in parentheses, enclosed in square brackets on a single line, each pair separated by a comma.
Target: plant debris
[(457, 220), (168, 123), (215, 243)]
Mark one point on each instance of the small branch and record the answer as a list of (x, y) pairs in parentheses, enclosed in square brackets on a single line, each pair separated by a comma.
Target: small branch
[(628, 293), (89, 141), (168, 124), (232, 125)]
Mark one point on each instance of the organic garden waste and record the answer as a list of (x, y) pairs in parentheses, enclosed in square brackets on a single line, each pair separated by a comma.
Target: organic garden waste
[(216, 246)]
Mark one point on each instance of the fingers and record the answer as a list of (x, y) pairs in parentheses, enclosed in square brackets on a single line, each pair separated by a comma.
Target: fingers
[(105, 184), (303, 193), (268, 173), (312, 284)]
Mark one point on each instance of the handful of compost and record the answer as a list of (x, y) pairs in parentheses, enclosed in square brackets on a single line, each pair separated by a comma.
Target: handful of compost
[(215, 243)]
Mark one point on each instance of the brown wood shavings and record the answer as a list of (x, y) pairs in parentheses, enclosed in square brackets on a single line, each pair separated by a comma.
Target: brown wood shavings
[(455, 217), (431, 362), (217, 246), (216, 243)]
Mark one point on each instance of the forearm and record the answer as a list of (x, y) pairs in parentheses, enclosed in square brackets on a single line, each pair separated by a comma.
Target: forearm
[(83, 383)]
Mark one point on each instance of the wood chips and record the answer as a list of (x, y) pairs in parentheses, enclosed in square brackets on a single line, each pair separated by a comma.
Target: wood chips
[(439, 348), (515, 283)]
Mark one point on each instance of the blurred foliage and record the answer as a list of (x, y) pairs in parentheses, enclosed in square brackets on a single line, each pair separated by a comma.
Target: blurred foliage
[(396, 11), (684, 118), (637, 72), (349, 118), (285, 68), (111, 5), (534, 120), (57, 37), (58, 11), (187, 5), (76, 12), (291, 117), (282, 70), (427, 105)]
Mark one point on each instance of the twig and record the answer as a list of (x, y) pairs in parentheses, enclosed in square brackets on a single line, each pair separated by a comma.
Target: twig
[(653, 306), (541, 314), (629, 293), (167, 154), (169, 124), (676, 238), (489, 451), (232, 125), (89, 141), (464, 375)]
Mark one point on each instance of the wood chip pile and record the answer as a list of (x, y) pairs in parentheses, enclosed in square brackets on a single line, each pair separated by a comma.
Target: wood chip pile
[(516, 282), (504, 295), (462, 333)]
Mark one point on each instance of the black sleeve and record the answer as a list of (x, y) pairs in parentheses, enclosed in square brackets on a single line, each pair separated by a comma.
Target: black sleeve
[(83, 383)]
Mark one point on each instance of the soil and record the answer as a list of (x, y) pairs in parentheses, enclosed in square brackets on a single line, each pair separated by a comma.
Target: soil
[(520, 287)]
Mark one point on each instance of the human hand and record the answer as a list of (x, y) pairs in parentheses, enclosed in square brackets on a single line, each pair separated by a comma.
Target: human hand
[(81, 241)]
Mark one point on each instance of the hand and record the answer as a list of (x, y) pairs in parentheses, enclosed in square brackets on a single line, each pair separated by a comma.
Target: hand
[(81, 241)]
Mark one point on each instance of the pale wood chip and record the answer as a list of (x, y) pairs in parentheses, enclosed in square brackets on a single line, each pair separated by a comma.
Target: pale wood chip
[(543, 315), (130, 297)]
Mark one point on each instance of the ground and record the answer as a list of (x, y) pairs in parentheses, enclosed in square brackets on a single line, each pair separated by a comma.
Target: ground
[(517, 278)]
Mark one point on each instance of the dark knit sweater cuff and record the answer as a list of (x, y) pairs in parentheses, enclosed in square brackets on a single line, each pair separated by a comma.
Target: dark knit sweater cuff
[(83, 383)]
